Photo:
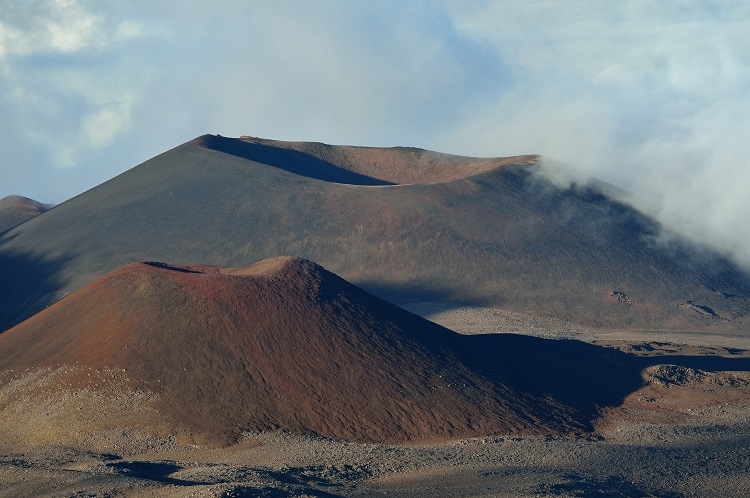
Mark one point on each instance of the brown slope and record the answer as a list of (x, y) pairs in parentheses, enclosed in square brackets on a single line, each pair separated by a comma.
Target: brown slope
[(15, 209), (284, 344)]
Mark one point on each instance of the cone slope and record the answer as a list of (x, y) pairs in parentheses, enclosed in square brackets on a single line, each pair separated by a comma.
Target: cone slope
[(284, 344)]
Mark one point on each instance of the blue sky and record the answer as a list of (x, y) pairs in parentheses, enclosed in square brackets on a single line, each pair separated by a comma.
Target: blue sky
[(653, 96)]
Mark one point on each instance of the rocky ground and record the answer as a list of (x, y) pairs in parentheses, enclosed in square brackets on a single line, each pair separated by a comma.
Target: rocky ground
[(710, 459), (686, 432)]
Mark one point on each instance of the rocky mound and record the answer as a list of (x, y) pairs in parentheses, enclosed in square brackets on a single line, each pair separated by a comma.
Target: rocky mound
[(16, 209), (286, 345)]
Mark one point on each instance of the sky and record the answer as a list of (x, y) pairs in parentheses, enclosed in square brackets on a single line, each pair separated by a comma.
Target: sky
[(651, 96)]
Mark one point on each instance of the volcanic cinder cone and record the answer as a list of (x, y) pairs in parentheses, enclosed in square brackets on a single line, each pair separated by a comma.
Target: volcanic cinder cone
[(406, 224), (16, 209), (284, 344)]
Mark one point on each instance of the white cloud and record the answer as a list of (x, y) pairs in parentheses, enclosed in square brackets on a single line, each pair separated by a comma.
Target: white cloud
[(129, 30), (63, 81), (652, 96), (108, 121), (48, 26)]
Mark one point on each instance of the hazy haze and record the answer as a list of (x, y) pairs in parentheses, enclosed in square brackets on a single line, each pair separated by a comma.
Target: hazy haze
[(653, 97)]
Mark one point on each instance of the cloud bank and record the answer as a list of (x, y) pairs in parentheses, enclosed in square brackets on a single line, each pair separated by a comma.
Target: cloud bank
[(651, 96)]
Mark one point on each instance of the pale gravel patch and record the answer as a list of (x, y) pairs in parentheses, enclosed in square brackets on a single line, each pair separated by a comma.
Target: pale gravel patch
[(483, 320), (95, 409)]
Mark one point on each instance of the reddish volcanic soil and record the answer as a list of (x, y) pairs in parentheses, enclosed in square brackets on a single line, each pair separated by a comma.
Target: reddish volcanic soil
[(15, 209), (284, 344)]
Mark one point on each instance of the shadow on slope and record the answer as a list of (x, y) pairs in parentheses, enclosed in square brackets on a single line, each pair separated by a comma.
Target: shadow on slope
[(410, 292), (26, 275), (289, 160), (292, 481), (580, 374), (152, 471)]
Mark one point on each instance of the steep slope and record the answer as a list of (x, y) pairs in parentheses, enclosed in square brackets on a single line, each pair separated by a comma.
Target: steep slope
[(284, 344), (16, 209), (406, 224)]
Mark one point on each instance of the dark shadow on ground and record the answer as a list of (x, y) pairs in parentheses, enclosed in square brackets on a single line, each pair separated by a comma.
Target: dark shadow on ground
[(295, 481), (152, 471), (289, 160), (580, 375), (28, 284), (589, 487), (583, 376), (270, 492)]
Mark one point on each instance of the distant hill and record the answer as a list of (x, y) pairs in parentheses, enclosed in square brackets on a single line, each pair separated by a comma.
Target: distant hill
[(406, 224), (15, 209), (285, 345)]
